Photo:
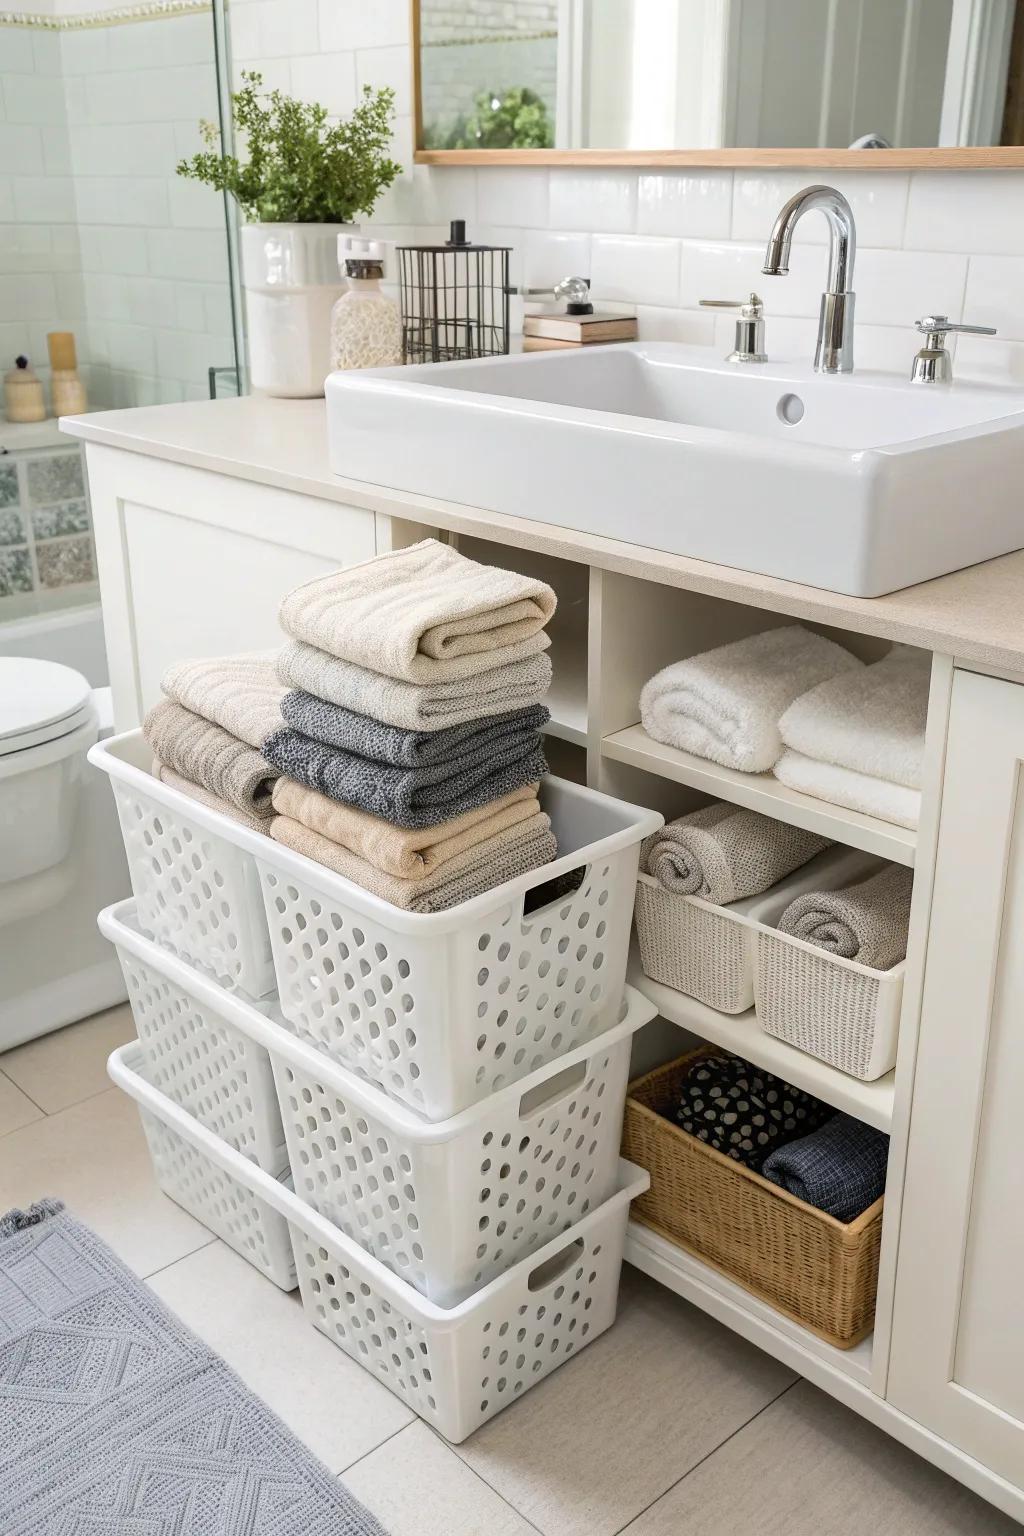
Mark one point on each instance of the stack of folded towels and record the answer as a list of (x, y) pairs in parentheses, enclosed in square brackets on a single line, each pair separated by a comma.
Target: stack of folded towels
[(396, 737), (791, 702)]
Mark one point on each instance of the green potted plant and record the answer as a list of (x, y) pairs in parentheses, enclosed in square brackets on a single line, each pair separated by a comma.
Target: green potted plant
[(301, 184)]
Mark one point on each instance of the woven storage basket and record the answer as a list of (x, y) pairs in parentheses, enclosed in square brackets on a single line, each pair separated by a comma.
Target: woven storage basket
[(820, 1272)]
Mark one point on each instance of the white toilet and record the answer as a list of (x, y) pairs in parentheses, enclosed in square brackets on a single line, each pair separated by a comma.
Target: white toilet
[(60, 852)]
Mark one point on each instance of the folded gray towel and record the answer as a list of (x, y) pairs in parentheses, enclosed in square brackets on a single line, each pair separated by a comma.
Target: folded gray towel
[(382, 743), (407, 797), (839, 1168), (721, 853), (867, 922)]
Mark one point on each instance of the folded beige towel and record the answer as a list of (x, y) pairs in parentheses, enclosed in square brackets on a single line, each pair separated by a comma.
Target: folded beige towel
[(196, 792), (722, 853), (207, 755), (514, 851), (425, 614), (426, 707), (239, 693), (867, 922), (407, 853)]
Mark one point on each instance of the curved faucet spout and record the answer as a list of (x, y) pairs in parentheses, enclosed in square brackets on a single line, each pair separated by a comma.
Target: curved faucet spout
[(834, 353)]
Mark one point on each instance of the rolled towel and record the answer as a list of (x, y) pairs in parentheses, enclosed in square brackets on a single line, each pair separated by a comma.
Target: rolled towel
[(725, 704), (744, 1112), (383, 743), (408, 797), (514, 851), (202, 796), (721, 853), (412, 706), (211, 757), (424, 614), (403, 852), (855, 791), (871, 721), (241, 694), (866, 922), (839, 1168)]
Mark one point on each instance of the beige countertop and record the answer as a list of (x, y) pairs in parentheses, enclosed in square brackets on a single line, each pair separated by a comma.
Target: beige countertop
[(976, 615)]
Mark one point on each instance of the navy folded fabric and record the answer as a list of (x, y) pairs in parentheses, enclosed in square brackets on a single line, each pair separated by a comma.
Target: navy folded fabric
[(839, 1168), (382, 743), (744, 1112)]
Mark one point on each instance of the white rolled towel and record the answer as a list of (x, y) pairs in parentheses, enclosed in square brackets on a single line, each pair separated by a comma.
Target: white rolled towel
[(725, 704)]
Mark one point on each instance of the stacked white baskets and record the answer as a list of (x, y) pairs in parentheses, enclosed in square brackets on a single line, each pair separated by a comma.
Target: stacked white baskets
[(417, 1115)]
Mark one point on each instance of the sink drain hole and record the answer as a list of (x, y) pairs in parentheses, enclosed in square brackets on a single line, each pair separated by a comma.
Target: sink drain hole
[(790, 409)]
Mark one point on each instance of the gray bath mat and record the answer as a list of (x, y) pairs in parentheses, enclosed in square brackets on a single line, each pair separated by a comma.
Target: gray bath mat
[(115, 1420)]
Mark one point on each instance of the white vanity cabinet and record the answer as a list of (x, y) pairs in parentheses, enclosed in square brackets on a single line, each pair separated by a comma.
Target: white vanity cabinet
[(957, 1351)]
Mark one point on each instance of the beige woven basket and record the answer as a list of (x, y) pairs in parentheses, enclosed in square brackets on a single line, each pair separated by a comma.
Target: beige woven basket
[(820, 1272)]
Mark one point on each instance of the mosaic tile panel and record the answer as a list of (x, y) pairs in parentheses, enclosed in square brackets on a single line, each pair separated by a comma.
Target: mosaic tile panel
[(45, 523), (56, 477), (53, 522), (15, 571), (12, 527), (8, 485), (65, 562)]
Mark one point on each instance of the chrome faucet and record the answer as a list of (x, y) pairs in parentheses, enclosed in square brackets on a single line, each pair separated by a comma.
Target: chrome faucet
[(834, 350)]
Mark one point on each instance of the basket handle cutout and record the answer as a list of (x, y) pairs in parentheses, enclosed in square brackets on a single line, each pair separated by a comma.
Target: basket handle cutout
[(549, 892), (557, 1087), (548, 1272)]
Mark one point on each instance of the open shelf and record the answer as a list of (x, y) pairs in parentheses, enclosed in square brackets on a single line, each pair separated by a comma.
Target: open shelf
[(762, 792), (741, 1034), (738, 1309)]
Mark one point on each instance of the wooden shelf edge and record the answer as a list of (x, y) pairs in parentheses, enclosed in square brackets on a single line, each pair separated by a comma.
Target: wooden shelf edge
[(740, 1032), (762, 792)]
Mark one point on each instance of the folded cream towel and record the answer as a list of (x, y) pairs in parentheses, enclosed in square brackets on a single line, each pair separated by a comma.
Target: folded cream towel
[(721, 853), (425, 614), (415, 707), (406, 853), (871, 720), (239, 693), (867, 922), (511, 852), (211, 757), (725, 704), (855, 791), (196, 792)]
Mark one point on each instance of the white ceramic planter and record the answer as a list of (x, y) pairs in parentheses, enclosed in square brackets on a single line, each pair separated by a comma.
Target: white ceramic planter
[(291, 280)]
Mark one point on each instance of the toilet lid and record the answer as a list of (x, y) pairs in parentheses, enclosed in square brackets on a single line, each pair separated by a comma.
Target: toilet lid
[(40, 701)]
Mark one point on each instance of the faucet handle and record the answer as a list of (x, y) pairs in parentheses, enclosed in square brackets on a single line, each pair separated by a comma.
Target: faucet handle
[(752, 307), (940, 325), (932, 365), (749, 346)]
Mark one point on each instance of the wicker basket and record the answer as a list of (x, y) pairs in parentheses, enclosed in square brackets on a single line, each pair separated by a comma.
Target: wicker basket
[(820, 1272)]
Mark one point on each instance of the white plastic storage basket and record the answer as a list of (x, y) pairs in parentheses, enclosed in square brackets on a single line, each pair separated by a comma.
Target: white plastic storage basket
[(445, 1205), (444, 1009), (836, 1009), (204, 1185), (198, 891), (455, 1367), (193, 1052), (709, 951)]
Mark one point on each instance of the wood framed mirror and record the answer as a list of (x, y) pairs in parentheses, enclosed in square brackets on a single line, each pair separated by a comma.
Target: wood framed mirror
[(880, 84)]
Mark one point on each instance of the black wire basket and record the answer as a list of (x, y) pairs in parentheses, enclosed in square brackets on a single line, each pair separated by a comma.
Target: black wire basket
[(454, 299)]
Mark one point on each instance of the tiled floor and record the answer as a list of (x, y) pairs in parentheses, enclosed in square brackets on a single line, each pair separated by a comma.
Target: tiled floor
[(667, 1426)]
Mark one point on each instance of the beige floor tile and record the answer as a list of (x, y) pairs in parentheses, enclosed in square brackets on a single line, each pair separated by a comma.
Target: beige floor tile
[(808, 1466), (329, 1401), (94, 1158), (16, 1109), (592, 1446), (417, 1486), (71, 1064)]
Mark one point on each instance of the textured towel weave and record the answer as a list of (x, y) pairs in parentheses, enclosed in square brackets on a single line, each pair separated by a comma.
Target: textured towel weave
[(407, 853), (514, 851), (856, 791), (384, 743), (725, 704), (839, 1168), (241, 694), (425, 614), (202, 796), (871, 721), (744, 1112), (116, 1420), (409, 797), (206, 755), (410, 706), (866, 922), (721, 853)]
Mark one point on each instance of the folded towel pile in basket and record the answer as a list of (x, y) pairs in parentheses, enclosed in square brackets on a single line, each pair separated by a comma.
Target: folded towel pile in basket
[(839, 1168), (866, 922), (722, 853), (742, 1111)]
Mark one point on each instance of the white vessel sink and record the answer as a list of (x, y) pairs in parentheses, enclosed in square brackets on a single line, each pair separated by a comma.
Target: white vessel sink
[(858, 483)]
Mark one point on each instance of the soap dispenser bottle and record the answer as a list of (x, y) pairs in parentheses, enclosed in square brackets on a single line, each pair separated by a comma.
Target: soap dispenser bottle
[(366, 325)]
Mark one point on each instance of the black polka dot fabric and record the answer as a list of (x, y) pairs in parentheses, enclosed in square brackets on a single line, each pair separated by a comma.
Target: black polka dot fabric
[(744, 1112)]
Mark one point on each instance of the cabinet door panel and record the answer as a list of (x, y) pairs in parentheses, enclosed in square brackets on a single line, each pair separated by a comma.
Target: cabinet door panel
[(957, 1362)]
